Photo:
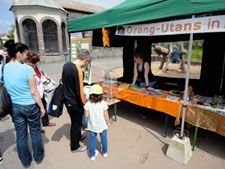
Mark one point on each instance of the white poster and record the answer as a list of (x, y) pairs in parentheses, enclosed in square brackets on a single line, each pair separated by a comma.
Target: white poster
[(85, 46), (73, 50), (87, 75), (185, 26)]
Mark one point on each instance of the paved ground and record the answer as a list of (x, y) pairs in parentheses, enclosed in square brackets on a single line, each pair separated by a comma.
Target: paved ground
[(135, 140)]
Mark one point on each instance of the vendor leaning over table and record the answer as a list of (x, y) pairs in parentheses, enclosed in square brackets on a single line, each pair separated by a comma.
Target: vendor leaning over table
[(142, 74)]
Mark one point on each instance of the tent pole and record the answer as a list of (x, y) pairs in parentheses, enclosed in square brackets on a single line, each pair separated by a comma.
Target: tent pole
[(186, 83), (221, 83), (69, 36)]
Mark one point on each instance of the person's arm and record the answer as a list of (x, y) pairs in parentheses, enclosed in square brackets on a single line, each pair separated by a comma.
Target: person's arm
[(147, 69), (106, 116), (82, 96), (86, 108), (4, 58), (135, 74), (86, 113), (35, 93)]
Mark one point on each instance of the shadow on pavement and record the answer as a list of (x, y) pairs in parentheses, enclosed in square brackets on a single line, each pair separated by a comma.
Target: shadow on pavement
[(62, 131), (7, 139), (153, 122)]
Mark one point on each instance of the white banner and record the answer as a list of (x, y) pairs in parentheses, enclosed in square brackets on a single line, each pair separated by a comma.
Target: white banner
[(185, 26)]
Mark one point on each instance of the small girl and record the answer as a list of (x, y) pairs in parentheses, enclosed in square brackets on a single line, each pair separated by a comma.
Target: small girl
[(98, 120)]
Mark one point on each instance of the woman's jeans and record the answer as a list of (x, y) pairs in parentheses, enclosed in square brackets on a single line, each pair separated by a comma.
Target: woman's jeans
[(24, 116), (92, 142)]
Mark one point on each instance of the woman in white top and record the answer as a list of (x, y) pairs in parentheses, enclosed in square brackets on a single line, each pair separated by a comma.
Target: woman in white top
[(98, 120), (32, 60)]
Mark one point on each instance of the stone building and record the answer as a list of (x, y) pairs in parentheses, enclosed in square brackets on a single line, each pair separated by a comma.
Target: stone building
[(41, 24)]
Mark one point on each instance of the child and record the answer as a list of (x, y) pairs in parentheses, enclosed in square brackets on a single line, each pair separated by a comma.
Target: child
[(98, 120)]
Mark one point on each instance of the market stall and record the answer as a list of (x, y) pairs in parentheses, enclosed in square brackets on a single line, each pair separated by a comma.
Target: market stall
[(182, 18)]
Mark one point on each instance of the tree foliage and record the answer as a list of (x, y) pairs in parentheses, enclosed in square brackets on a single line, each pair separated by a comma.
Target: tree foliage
[(10, 34)]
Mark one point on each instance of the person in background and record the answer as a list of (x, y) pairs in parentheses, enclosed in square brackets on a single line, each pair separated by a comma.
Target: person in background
[(98, 120), (74, 99), (19, 80), (1, 158), (4, 57), (32, 60), (142, 73), (163, 53), (177, 56), (7, 44)]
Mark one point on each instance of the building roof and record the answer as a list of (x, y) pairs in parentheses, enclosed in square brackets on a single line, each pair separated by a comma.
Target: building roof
[(43, 3), (69, 4), (59, 4)]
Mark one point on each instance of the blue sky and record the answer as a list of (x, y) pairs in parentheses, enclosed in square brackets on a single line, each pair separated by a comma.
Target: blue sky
[(7, 17)]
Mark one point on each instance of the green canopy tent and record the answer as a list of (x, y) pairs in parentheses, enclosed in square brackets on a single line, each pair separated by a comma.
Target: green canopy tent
[(133, 11), (148, 11)]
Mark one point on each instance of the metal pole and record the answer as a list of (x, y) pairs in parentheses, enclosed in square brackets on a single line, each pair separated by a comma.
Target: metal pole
[(69, 36), (186, 83), (166, 125), (195, 138), (221, 83)]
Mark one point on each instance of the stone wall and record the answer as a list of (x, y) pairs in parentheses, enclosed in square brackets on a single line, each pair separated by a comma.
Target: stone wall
[(101, 52), (97, 52)]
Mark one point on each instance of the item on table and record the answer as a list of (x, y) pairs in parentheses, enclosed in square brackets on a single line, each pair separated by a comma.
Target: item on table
[(174, 98), (153, 89), (175, 93)]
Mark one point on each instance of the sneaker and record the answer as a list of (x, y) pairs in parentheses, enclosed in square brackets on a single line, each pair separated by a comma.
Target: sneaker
[(82, 148), (27, 165), (105, 155), (93, 157), (1, 160)]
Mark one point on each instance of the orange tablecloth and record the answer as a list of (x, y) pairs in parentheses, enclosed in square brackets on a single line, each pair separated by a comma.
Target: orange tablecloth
[(150, 101), (206, 118)]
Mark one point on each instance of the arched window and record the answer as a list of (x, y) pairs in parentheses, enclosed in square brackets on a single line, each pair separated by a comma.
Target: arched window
[(30, 34), (50, 34), (64, 37)]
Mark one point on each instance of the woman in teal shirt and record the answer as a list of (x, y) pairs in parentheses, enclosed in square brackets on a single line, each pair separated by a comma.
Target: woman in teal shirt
[(20, 83)]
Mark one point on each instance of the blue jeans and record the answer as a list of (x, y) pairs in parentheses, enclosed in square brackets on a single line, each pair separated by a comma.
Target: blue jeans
[(24, 116), (84, 122), (92, 142)]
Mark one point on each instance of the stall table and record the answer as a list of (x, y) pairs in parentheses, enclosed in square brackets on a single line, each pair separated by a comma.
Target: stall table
[(161, 104), (205, 117), (113, 102)]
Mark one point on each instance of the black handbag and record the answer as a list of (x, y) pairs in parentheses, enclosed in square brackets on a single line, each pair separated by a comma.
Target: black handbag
[(5, 99), (55, 108)]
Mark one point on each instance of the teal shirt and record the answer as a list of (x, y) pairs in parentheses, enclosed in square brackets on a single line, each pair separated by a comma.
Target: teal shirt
[(16, 79)]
